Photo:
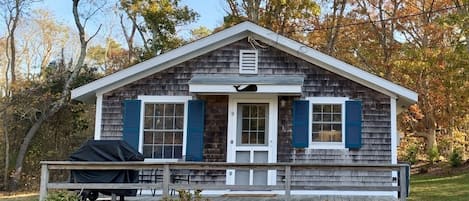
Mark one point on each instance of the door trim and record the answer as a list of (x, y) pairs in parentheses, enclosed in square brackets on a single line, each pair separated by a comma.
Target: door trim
[(233, 101)]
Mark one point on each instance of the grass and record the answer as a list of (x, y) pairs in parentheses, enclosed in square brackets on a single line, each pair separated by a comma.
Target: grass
[(22, 197), (436, 188)]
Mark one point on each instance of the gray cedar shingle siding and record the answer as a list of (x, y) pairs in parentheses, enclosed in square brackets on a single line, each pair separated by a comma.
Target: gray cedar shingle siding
[(284, 129), (216, 125), (376, 139)]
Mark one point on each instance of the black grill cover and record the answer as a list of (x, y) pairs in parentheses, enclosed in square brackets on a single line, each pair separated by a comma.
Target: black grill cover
[(106, 150)]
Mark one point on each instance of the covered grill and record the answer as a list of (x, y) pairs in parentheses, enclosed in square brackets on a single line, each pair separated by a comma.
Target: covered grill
[(106, 150)]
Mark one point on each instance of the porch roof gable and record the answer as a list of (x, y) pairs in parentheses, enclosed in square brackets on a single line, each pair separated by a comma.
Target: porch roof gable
[(266, 80), (232, 84)]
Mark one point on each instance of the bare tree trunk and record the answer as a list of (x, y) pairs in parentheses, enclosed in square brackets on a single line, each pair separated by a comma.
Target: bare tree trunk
[(234, 7), (133, 19), (431, 132), (383, 31), (24, 148), (45, 60), (129, 38), (13, 23), (13, 52), (7, 152), (7, 86), (338, 6), (429, 121), (59, 103), (429, 136), (14, 13), (252, 9)]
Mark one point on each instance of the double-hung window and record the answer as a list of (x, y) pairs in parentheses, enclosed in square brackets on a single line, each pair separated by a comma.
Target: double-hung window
[(327, 122), (164, 122)]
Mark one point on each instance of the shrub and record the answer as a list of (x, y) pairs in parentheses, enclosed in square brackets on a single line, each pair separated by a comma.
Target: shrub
[(433, 154), (411, 154), (63, 196), (187, 196), (455, 158)]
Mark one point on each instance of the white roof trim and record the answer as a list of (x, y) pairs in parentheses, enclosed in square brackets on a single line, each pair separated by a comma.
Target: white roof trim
[(231, 35)]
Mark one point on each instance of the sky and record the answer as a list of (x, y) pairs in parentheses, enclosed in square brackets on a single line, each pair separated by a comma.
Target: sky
[(211, 14)]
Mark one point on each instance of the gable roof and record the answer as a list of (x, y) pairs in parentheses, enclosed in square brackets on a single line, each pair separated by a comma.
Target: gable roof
[(138, 71)]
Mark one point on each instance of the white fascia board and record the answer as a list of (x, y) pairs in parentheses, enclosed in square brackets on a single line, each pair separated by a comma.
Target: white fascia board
[(330, 63), (226, 88), (161, 62)]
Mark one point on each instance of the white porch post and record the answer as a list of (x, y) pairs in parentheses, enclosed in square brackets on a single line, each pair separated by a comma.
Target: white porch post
[(394, 138), (98, 115)]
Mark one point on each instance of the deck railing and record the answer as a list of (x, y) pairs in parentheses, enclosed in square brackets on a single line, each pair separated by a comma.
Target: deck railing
[(167, 168)]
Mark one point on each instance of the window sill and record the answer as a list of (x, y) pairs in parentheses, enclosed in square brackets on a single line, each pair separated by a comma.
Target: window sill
[(325, 145)]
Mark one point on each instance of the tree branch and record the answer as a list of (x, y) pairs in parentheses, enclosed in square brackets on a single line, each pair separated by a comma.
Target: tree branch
[(419, 134), (95, 33), (363, 59)]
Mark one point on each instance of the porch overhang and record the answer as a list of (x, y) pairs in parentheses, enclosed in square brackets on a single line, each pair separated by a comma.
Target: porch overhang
[(246, 84)]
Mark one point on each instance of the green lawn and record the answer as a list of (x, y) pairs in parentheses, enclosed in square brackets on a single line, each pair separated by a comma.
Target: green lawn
[(19, 198), (435, 188)]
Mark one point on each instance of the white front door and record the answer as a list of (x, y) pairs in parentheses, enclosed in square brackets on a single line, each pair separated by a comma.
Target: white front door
[(252, 138)]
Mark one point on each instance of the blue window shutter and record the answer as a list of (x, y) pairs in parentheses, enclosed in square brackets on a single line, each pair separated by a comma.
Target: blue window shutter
[(131, 127), (300, 130), (195, 130), (353, 124)]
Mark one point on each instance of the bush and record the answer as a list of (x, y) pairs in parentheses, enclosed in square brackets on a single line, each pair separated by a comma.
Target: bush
[(187, 196), (63, 196), (455, 158), (411, 154), (433, 154)]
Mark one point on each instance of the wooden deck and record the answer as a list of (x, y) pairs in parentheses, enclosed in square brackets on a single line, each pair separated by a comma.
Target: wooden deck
[(166, 183), (277, 198)]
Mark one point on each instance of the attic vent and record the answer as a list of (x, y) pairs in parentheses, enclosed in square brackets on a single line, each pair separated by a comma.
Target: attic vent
[(248, 61)]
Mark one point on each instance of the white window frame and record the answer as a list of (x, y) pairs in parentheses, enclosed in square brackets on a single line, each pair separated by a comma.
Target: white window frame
[(163, 99), (256, 67), (326, 100)]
